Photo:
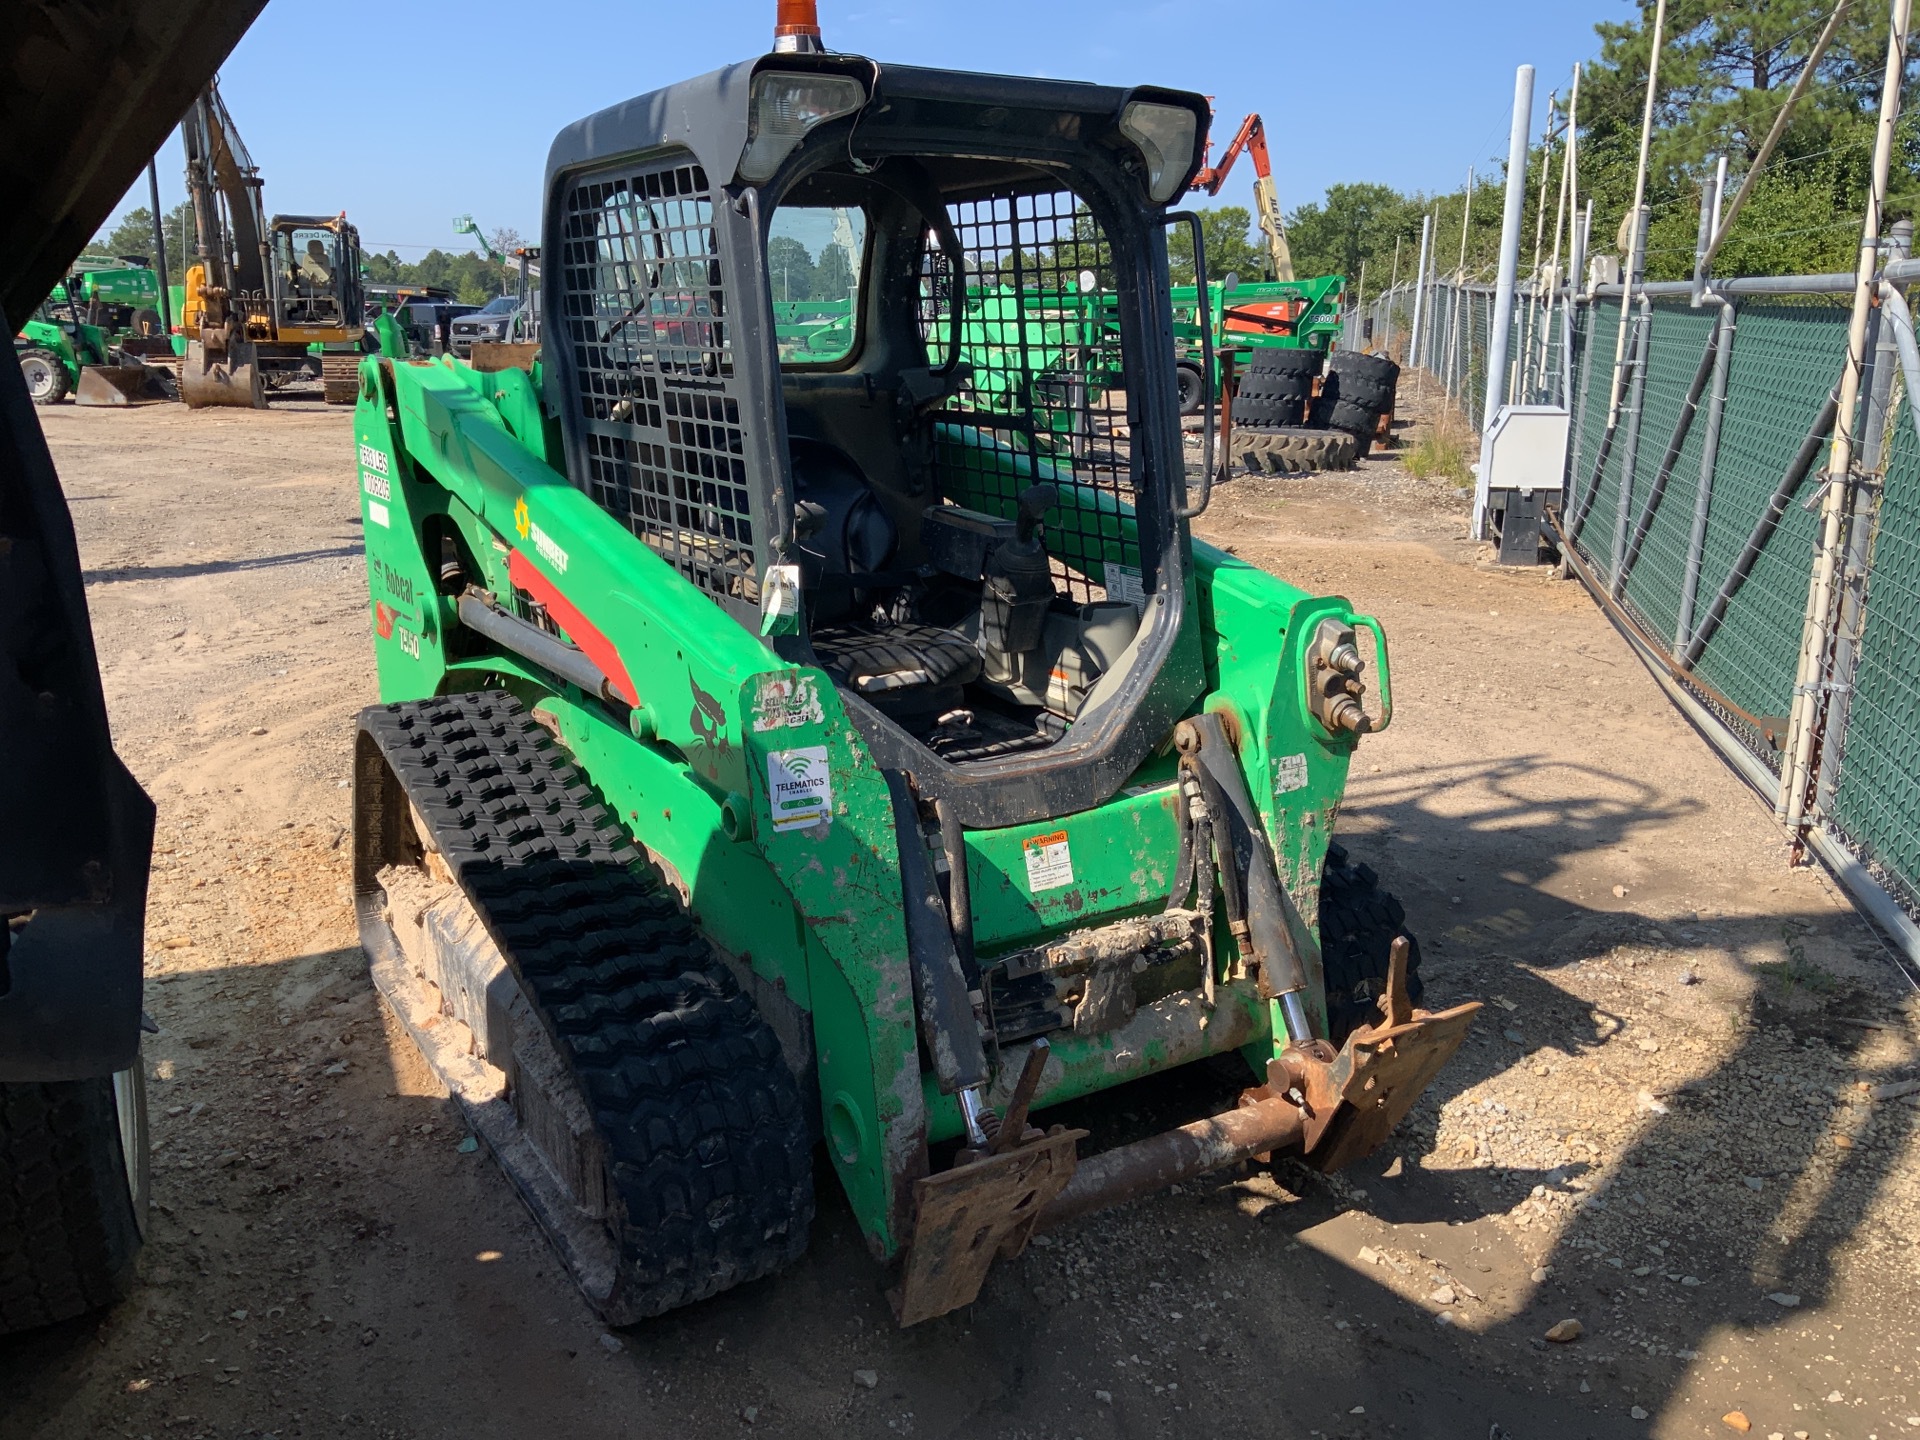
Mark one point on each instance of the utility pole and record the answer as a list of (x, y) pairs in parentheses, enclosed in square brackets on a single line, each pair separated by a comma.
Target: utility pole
[(1636, 237), (1459, 307), (160, 247), (1420, 291), (1511, 218)]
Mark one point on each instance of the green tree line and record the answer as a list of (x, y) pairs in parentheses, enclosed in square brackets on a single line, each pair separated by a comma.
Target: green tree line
[(1725, 70)]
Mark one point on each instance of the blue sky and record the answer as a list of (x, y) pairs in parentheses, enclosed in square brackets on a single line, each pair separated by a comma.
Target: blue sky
[(444, 108)]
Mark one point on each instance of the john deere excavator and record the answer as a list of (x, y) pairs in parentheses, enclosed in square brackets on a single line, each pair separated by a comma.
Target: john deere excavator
[(260, 293), (854, 753)]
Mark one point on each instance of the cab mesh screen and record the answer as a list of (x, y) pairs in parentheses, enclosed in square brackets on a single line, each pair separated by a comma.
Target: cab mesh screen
[(645, 316), (1046, 398)]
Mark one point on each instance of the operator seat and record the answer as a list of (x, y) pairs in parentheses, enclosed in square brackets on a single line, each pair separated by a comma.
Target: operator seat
[(912, 672)]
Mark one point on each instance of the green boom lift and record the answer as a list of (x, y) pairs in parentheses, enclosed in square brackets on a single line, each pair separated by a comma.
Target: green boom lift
[(849, 751)]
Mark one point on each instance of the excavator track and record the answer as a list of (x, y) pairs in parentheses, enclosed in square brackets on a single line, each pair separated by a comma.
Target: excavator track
[(340, 378), (693, 1169)]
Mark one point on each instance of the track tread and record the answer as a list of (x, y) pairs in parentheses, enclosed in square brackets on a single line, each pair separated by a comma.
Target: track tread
[(1358, 924), (708, 1150)]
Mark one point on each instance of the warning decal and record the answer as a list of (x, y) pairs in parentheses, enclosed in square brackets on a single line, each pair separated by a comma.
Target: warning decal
[(1049, 861)]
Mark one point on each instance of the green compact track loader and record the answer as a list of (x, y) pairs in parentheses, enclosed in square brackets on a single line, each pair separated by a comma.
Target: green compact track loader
[(850, 753)]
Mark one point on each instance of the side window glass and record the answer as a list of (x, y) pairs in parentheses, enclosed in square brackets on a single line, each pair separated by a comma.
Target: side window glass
[(815, 258)]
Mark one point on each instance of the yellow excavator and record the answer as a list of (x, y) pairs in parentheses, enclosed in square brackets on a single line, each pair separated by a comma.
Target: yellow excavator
[(261, 295)]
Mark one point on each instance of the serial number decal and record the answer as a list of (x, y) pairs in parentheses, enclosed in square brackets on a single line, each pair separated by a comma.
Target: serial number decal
[(378, 486)]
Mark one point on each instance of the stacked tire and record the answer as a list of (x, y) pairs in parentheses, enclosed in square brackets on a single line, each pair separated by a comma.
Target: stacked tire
[(1357, 391), (1269, 409), (1276, 387)]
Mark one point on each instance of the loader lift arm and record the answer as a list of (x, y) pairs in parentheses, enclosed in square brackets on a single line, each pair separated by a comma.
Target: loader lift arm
[(1251, 139)]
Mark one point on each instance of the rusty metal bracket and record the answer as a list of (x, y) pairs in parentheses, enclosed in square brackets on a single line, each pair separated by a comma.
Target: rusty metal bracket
[(966, 1217), (1352, 1102)]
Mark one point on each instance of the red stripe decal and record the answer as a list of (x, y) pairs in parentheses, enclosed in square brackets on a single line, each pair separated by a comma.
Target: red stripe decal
[(595, 646)]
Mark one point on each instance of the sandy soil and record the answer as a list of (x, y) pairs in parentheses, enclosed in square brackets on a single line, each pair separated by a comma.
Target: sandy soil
[(1660, 1129)]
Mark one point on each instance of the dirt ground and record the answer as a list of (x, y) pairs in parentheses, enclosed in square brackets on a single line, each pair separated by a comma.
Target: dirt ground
[(1661, 1129)]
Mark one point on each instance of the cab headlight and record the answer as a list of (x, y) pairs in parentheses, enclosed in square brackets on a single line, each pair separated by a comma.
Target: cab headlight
[(783, 108), (1166, 135)]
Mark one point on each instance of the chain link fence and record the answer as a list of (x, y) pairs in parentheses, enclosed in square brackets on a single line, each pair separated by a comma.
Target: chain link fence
[(1456, 323), (1695, 479)]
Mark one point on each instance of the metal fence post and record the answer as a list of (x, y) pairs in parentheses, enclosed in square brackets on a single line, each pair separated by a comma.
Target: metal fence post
[(1640, 346), (1419, 288), (1703, 496), (1807, 721), (1884, 360)]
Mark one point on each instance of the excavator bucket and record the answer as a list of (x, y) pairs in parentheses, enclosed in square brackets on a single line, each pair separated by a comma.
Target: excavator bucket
[(232, 378), (118, 385)]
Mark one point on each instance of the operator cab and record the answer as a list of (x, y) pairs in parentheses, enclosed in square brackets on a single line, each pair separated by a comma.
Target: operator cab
[(894, 385), (316, 270)]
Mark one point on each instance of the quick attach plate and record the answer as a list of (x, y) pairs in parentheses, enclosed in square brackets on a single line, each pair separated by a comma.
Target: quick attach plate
[(967, 1216)]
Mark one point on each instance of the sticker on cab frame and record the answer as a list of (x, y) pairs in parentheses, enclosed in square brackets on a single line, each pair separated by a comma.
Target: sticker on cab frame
[(1289, 774), (1123, 584), (800, 787), (1049, 861), (787, 702)]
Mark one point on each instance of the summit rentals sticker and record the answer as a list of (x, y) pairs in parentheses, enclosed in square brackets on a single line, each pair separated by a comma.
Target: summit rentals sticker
[(800, 786), (542, 542)]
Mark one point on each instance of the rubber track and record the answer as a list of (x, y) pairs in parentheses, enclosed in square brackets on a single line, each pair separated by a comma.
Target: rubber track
[(340, 379), (67, 1233), (1358, 924), (708, 1149)]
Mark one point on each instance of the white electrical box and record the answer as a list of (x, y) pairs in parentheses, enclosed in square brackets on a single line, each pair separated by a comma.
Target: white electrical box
[(1524, 452)]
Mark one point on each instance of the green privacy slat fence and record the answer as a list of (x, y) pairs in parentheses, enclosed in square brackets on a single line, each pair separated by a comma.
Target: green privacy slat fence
[(1876, 804), (1785, 360)]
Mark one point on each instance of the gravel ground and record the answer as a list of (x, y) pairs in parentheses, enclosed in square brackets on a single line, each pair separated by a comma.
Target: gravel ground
[(1663, 1129)]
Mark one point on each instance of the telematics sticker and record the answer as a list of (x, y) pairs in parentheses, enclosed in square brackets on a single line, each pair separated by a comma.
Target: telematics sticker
[(1049, 861), (800, 787), (1289, 774), (377, 513)]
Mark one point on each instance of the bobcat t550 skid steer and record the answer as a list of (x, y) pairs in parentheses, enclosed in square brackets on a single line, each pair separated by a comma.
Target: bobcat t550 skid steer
[(854, 754)]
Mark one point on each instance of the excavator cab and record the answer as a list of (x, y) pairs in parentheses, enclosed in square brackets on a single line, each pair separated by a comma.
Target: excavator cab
[(316, 272)]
